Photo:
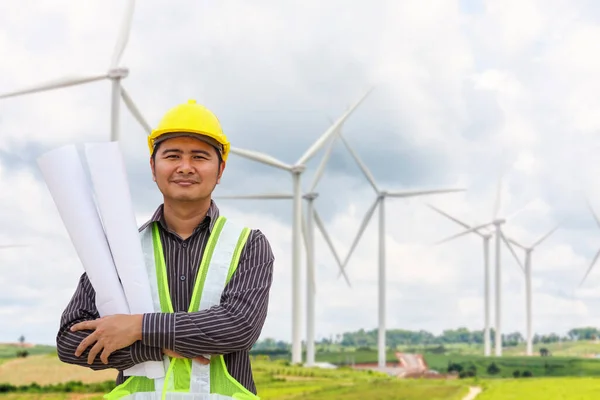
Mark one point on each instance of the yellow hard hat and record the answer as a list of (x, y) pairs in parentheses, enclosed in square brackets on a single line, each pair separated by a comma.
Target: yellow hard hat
[(191, 118)]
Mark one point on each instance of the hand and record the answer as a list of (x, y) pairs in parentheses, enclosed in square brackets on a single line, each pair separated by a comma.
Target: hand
[(200, 359), (111, 333)]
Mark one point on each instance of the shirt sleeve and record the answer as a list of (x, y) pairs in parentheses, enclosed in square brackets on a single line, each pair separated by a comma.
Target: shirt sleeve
[(82, 307), (235, 324)]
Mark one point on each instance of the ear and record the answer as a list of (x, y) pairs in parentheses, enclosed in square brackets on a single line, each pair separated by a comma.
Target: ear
[(152, 169), (221, 169)]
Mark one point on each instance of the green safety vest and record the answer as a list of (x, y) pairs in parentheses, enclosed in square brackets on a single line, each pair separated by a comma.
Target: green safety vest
[(186, 379)]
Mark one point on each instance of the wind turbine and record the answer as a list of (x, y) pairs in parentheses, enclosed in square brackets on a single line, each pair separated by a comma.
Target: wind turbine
[(115, 74), (380, 200), (486, 236), (528, 250), (497, 222), (311, 218), (595, 259), (296, 171)]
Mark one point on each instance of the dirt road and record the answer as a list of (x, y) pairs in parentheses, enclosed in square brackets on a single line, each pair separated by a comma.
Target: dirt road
[(473, 392)]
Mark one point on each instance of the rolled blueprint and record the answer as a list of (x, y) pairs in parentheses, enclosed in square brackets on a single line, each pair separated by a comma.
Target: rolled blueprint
[(71, 191), (64, 175), (113, 197)]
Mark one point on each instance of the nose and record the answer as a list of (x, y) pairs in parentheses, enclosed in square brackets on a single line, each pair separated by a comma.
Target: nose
[(185, 166)]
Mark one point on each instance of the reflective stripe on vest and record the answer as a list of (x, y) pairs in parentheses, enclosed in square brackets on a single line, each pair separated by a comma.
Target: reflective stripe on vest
[(187, 379)]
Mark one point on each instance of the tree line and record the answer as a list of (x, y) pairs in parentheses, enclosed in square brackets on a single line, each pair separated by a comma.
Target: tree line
[(401, 337)]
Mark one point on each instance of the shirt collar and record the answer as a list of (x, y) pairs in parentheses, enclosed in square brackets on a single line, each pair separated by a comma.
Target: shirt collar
[(211, 217)]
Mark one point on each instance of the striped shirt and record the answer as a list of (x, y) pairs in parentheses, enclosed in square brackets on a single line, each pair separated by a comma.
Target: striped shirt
[(230, 329)]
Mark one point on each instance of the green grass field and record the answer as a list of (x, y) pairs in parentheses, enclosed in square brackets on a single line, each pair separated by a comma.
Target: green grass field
[(10, 350), (567, 377), (274, 381), (538, 366), (553, 366), (583, 348), (542, 389)]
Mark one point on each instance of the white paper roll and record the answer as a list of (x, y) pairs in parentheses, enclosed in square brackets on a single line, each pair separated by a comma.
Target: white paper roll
[(109, 178), (64, 175), (70, 189)]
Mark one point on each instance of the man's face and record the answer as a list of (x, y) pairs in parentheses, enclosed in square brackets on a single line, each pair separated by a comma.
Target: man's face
[(186, 169)]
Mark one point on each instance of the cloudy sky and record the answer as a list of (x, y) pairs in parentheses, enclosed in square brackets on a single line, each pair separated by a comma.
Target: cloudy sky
[(463, 90)]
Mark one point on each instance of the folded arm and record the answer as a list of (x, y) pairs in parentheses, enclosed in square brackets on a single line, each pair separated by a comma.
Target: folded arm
[(233, 325), (82, 307)]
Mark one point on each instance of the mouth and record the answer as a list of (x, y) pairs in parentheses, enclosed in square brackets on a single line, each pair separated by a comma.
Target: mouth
[(184, 183)]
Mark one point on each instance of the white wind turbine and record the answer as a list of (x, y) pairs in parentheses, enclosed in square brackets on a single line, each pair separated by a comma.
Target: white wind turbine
[(528, 250), (296, 171), (380, 200), (500, 237), (311, 217), (595, 259), (115, 74), (486, 236)]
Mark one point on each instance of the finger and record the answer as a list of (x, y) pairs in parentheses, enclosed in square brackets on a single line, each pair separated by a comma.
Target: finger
[(105, 354), (85, 343), (202, 360), (84, 325), (173, 354), (94, 352)]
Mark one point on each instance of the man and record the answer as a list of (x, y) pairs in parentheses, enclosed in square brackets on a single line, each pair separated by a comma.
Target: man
[(185, 239)]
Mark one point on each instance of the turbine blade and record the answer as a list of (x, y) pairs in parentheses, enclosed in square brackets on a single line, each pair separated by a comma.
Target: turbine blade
[(473, 229), (304, 228), (541, 239), (589, 205), (361, 165), (450, 217), (515, 242), (304, 232), (327, 238), (498, 201), (413, 193), (323, 164), (361, 230), (268, 196), (261, 158), (123, 36), (512, 251), (519, 211), (134, 110), (590, 268), (56, 84), (332, 129)]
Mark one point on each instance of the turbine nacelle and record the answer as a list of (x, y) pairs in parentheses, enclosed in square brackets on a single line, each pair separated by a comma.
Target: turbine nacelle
[(118, 73)]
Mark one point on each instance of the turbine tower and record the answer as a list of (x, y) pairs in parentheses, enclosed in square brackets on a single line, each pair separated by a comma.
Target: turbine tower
[(528, 250), (497, 222), (380, 201), (486, 236), (115, 74), (296, 171)]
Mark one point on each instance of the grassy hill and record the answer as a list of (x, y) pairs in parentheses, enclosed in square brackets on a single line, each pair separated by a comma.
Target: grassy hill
[(508, 364), (274, 380), (9, 350), (542, 389), (278, 381)]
